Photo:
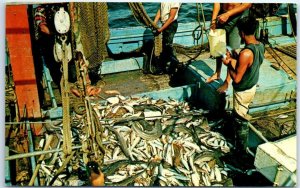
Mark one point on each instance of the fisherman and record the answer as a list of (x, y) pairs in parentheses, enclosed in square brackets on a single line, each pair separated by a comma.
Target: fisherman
[(245, 76), (225, 16), (168, 14), (44, 31)]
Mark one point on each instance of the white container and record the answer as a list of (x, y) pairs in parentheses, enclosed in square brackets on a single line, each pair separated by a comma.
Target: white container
[(217, 42), (277, 161)]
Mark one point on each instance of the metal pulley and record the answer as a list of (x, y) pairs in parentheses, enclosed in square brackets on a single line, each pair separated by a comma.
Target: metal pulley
[(62, 48), (62, 21)]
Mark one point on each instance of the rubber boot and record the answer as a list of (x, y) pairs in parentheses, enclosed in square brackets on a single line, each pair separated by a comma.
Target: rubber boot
[(241, 129), (173, 65)]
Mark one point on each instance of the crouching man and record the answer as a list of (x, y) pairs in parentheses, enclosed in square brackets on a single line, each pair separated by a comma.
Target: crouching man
[(245, 76)]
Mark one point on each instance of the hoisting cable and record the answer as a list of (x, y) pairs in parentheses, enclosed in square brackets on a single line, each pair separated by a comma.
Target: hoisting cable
[(199, 25), (203, 18), (142, 17), (67, 138)]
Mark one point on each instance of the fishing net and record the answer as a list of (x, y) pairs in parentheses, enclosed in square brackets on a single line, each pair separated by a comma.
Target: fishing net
[(93, 31)]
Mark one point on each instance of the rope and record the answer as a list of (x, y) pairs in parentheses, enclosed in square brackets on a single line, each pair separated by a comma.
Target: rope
[(67, 142), (142, 17), (202, 31), (93, 147)]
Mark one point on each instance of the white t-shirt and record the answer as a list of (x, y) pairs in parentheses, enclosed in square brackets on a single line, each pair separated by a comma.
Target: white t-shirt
[(165, 8)]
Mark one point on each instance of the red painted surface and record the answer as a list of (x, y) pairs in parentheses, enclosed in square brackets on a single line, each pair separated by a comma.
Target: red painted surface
[(21, 59)]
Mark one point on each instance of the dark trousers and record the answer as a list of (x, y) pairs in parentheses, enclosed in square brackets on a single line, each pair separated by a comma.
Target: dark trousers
[(168, 36), (43, 52), (241, 130), (45, 45)]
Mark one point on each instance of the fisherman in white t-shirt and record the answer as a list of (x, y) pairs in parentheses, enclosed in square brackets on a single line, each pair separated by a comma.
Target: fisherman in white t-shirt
[(168, 14)]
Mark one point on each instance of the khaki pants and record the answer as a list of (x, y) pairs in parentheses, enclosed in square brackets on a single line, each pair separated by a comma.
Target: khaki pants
[(241, 101)]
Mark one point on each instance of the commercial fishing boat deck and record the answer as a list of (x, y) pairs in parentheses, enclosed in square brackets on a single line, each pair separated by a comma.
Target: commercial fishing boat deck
[(133, 82), (175, 119)]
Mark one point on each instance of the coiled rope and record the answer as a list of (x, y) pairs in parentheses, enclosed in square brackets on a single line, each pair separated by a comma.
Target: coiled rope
[(202, 31)]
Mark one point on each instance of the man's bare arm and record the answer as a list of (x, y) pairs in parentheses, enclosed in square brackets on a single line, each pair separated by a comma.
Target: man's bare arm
[(216, 10), (173, 12), (157, 16), (236, 10), (245, 60)]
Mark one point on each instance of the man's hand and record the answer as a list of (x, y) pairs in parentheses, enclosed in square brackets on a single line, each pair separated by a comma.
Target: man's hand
[(156, 32), (223, 18), (226, 61), (44, 28), (213, 24)]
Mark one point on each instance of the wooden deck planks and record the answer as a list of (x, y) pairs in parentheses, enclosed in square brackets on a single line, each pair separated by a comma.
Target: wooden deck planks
[(289, 64)]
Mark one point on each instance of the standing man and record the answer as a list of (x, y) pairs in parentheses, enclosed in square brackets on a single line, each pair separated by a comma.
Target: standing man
[(225, 16), (45, 39), (245, 76), (45, 33), (168, 14)]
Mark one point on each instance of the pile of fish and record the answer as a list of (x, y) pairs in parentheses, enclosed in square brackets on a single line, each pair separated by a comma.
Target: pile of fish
[(151, 142), (157, 142)]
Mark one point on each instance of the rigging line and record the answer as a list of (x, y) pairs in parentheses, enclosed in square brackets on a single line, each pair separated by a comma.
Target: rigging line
[(202, 30), (134, 15), (204, 21), (203, 17), (149, 19), (150, 61), (198, 14)]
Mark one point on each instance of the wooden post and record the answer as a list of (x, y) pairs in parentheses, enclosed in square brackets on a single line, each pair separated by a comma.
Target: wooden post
[(21, 59)]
